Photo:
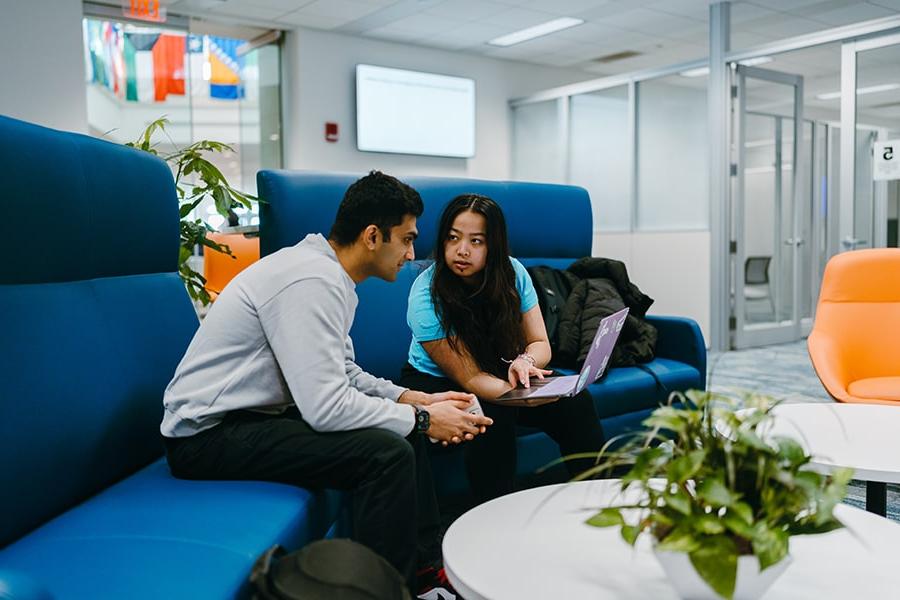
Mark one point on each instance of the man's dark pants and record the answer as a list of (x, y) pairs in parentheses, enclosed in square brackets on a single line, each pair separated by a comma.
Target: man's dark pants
[(394, 508)]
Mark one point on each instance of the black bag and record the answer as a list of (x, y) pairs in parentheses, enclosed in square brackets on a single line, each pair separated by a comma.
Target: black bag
[(336, 569), (552, 287)]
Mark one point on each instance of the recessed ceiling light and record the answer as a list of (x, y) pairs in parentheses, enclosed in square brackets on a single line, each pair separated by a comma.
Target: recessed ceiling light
[(700, 71), (885, 87), (523, 35), (759, 60)]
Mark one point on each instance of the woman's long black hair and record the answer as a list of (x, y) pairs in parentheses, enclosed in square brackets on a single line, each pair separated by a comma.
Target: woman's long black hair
[(484, 320)]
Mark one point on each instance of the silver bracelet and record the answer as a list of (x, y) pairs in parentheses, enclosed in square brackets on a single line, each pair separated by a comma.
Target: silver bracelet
[(524, 356)]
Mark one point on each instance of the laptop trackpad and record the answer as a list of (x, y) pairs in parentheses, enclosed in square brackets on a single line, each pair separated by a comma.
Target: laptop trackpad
[(555, 386)]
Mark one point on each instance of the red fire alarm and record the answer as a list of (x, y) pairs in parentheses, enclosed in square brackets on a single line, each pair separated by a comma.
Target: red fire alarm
[(331, 132)]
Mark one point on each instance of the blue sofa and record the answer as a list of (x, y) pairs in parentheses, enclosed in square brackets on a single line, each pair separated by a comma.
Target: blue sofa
[(95, 319), (548, 225)]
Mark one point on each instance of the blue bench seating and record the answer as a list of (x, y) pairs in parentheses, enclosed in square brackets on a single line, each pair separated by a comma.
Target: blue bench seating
[(95, 319)]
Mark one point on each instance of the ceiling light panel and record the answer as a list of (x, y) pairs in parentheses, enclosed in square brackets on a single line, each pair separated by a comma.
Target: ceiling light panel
[(530, 33)]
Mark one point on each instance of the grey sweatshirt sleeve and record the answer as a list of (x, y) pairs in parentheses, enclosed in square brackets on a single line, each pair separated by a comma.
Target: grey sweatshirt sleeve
[(304, 326), (367, 383)]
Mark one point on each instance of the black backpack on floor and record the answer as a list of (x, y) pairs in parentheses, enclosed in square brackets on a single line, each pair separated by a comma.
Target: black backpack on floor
[(336, 569)]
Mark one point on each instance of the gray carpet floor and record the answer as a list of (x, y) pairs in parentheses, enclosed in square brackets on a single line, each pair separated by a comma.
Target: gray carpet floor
[(784, 372)]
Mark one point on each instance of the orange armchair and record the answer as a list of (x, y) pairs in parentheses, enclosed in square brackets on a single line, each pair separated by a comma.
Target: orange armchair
[(855, 342), (219, 269)]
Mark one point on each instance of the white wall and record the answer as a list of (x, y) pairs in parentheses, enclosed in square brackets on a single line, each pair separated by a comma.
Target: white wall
[(42, 69), (673, 268), (319, 78)]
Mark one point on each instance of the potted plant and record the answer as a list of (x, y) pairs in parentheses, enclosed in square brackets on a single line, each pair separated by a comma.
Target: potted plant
[(196, 179), (716, 492)]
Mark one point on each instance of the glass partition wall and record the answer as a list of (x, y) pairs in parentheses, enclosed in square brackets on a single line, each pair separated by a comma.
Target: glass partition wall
[(800, 189), (600, 154), (207, 86), (644, 170)]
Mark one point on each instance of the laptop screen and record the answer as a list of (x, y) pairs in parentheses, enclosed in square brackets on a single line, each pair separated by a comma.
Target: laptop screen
[(601, 348)]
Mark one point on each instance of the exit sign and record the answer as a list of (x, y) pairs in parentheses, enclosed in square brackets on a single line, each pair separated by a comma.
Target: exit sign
[(144, 10)]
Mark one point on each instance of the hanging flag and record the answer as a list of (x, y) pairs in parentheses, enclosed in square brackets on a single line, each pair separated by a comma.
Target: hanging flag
[(195, 43), (130, 71), (112, 58), (139, 66), (225, 68), (97, 52), (168, 66), (118, 59)]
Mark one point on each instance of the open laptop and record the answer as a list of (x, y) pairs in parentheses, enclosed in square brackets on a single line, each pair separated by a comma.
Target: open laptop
[(594, 365)]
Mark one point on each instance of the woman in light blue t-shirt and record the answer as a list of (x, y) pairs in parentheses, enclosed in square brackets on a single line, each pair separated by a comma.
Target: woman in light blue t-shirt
[(476, 324)]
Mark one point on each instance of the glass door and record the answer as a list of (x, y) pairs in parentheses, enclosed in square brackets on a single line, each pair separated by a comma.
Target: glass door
[(870, 108), (771, 223)]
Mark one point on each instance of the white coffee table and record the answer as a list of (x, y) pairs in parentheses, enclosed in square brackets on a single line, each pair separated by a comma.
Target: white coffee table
[(865, 437), (534, 544)]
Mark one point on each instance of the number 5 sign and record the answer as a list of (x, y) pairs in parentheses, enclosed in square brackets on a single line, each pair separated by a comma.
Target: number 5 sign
[(887, 160)]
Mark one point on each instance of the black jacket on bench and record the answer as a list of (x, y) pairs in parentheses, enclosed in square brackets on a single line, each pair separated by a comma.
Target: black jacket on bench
[(599, 287)]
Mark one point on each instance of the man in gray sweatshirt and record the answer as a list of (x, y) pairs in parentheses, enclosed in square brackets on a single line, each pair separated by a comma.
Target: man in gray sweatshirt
[(269, 390)]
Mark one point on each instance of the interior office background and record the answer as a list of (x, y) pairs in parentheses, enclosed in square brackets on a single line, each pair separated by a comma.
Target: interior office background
[(639, 144)]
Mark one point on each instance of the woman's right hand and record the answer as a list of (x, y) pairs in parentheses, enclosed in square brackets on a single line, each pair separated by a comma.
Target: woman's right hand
[(521, 371), (452, 424)]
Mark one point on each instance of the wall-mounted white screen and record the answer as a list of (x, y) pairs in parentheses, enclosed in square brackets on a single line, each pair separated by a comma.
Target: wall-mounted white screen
[(408, 112)]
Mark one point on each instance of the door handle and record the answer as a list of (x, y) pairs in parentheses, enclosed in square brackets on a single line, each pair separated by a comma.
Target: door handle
[(851, 243)]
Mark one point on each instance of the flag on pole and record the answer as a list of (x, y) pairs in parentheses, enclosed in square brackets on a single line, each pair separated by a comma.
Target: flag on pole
[(139, 85), (168, 66), (225, 68)]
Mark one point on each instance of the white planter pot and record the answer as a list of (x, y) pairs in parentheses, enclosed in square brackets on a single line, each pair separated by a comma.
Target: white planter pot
[(750, 584)]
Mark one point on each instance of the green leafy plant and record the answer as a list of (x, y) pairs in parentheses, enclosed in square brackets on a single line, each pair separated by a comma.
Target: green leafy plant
[(196, 179), (714, 484)]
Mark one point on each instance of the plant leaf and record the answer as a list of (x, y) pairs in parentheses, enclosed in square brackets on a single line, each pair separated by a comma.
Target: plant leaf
[(606, 518), (742, 510), (680, 539), (737, 526), (684, 467), (630, 533), (715, 492), (647, 465), (708, 525), (679, 501), (790, 450), (769, 545), (749, 438), (716, 563)]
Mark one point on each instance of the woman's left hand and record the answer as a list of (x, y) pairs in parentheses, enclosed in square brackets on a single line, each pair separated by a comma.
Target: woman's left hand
[(521, 371)]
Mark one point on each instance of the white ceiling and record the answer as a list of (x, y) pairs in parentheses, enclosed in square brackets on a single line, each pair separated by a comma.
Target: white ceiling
[(662, 31)]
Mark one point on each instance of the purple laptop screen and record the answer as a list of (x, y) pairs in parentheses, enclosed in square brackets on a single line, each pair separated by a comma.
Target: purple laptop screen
[(601, 350)]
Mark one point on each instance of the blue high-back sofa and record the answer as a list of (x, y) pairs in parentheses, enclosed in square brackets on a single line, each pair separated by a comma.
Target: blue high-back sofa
[(94, 321), (548, 225)]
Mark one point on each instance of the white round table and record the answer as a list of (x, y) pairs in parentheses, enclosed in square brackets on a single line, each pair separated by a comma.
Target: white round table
[(864, 437), (535, 544)]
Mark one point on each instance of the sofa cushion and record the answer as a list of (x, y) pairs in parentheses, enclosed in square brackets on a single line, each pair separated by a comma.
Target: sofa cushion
[(630, 389), (876, 388), (213, 529), (85, 365)]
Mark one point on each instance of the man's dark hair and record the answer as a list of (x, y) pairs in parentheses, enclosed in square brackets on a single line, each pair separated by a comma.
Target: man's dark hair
[(376, 199)]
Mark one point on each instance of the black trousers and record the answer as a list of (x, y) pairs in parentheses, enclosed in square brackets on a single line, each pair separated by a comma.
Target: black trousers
[(491, 457), (394, 508)]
